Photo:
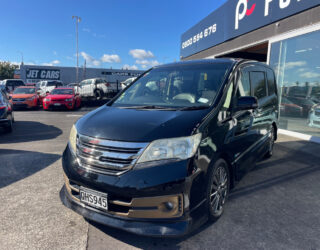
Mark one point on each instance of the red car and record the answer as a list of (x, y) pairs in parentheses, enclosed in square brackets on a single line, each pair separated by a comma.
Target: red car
[(62, 98)]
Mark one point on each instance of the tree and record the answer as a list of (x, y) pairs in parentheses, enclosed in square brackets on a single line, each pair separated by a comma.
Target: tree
[(7, 70)]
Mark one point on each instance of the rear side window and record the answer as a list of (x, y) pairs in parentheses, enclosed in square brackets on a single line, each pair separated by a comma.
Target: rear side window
[(271, 82), (258, 83)]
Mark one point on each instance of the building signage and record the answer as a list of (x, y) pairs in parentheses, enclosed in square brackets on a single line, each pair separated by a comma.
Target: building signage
[(237, 17), (43, 74)]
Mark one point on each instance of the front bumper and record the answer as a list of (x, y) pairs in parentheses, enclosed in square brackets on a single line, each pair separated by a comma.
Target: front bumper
[(58, 105), (151, 185), (178, 228), (4, 122), (25, 104)]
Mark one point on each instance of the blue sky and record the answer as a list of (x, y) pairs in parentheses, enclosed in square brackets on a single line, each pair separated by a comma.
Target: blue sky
[(113, 33)]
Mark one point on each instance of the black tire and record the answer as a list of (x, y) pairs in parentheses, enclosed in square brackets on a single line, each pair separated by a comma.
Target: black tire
[(218, 187), (98, 94), (9, 128), (271, 142)]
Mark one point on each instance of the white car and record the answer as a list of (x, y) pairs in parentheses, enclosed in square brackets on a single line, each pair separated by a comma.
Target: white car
[(314, 117), (125, 83), (47, 86), (97, 88)]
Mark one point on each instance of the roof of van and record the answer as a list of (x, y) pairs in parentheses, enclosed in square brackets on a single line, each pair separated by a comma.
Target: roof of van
[(202, 61)]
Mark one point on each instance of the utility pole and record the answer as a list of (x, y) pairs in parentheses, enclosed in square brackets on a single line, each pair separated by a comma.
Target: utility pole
[(78, 20), (21, 53)]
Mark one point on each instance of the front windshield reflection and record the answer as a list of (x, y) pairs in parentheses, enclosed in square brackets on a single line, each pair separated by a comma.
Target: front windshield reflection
[(176, 87)]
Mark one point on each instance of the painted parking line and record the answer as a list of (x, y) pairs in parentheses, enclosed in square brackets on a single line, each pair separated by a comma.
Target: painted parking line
[(74, 115)]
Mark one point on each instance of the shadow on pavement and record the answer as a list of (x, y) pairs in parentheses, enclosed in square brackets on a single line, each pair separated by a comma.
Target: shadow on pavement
[(26, 131), (16, 165), (266, 196)]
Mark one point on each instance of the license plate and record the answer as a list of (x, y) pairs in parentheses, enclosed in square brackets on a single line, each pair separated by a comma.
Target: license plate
[(94, 198), (57, 104)]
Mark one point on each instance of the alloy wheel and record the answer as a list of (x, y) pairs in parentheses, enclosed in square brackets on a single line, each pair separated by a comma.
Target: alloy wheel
[(219, 189)]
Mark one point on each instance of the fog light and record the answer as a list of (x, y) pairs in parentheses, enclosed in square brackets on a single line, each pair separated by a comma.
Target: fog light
[(169, 205)]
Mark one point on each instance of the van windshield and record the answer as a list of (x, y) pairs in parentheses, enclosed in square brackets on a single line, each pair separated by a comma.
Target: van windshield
[(176, 87)]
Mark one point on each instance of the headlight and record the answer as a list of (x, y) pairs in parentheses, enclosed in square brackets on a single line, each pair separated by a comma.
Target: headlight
[(31, 98), (176, 148), (69, 100), (47, 99), (73, 139)]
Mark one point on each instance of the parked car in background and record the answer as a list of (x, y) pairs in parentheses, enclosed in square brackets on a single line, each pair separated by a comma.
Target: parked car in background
[(6, 113), (314, 116), (288, 108), (9, 85), (46, 86), (97, 89), (305, 103), (62, 98), (25, 97), (31, 84), (125, 83), (161, 158)]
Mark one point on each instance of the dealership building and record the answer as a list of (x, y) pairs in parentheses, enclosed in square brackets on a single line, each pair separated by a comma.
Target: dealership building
[(36, 73), (283, 33)]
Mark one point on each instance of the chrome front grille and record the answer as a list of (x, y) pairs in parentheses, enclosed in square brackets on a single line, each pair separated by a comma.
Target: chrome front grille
[(107, 157)]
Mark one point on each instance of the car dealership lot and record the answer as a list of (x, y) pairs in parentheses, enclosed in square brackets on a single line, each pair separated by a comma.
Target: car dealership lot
[(275, 206)]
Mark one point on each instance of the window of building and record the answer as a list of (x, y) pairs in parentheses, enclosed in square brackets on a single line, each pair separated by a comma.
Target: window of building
[(297, 68)]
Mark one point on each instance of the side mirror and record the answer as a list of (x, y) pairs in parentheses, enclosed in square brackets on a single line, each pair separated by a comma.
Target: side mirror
[(247, 103), (10, 97)]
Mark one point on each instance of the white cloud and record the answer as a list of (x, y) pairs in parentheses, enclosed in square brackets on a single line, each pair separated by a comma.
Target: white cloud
[(52, 63), (110, 58), (147, 63), (90, 60), (302, 70), (127, 66), (55, 53), (86, 30), (291, 65), (310, 75), (141, 54)]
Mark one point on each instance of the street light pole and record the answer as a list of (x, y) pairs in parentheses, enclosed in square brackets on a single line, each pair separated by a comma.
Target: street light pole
[(78, 20)]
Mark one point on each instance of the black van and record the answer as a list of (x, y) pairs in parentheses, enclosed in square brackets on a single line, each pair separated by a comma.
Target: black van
[(162, 156)]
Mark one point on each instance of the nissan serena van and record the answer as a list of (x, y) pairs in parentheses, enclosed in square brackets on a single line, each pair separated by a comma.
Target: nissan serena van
[(162, 156)]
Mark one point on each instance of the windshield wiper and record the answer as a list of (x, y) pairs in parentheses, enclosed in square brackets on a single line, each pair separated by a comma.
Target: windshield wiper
[(194, 108), (148, 107)]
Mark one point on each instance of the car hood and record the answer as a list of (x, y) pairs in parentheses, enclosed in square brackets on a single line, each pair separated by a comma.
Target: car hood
[(22, 95), (138, 125), (59, 96)]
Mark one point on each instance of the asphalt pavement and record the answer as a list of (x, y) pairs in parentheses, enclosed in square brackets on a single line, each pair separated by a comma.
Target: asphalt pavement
[(275, 206)]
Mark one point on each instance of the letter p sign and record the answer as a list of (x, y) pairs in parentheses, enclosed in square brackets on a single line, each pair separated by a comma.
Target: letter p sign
[(240, 16)]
